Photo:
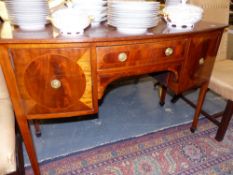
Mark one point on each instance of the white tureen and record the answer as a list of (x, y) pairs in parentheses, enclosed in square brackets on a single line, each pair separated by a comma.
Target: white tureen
[(70, 21), (182, 16)]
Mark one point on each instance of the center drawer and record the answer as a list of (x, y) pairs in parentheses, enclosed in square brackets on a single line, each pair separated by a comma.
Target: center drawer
[(137, 55)]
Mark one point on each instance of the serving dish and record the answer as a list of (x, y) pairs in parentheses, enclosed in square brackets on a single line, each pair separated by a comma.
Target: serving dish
[(182, 16), (70, 21)]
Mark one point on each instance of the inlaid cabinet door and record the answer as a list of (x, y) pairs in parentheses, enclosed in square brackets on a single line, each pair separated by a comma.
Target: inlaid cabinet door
[(198, 65), (54, 80)]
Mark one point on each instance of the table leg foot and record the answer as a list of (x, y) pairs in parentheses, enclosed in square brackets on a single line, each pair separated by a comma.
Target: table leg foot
[(175, 98), (161, 103)]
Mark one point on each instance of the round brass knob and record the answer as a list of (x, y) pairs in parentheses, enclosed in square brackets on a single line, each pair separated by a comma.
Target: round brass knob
[(169, 51), (201, 61), (122, 57), (55, 84)]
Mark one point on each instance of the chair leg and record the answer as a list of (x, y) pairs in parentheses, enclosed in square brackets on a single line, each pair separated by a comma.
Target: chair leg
[(19, 149), (226, 118), (37, 127), (20, 170), (201, 98)]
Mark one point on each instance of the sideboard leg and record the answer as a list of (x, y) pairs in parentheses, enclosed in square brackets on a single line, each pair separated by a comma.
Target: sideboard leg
[(28, 141), (163, 95), (37, 127), (176, 98), (200, 101)]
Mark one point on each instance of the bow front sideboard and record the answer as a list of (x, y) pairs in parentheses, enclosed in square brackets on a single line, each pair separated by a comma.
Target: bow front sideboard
[(51, 76)]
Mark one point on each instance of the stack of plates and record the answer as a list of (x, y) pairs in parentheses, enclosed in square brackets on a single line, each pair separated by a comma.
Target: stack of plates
[(28, 14), (133, 17), (172, 2), (95, 9)]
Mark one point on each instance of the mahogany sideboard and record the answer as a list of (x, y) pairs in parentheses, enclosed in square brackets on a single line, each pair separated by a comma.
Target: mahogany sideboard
[(51, 76)]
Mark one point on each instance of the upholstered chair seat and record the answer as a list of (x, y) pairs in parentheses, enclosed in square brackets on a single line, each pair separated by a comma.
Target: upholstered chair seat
[(7, 130), (7, 135), (11, 151), (221, 80)]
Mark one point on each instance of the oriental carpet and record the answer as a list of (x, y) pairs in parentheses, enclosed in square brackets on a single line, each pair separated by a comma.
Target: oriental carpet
[(173, 151)]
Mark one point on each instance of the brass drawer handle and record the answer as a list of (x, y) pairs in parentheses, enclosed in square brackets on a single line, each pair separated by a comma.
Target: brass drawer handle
[(169, 51), (55, 84), (122, 57), (201, 61)]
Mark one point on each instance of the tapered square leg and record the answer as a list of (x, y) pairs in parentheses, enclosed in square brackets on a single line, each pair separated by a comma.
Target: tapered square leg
[(226, 118)]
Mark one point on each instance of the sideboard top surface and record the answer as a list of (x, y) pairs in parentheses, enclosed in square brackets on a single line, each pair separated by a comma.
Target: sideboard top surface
[(102, 33)]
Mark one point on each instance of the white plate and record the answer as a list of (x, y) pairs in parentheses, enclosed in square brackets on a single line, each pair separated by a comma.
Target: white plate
[(93, 12), (16, 5), (32, 27), (33, 15), (19, 22), (134, 3), (127, 25), (75, 1), (22, 9), (131, 31), (99, 17), (135, 21), (87, 3), (132, 15), (132, 11), (130, 19), (143, 24), (28, 1), (90, 8), (97, 22)]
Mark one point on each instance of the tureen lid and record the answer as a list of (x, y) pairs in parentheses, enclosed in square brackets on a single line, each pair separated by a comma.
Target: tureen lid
[(183, 8)]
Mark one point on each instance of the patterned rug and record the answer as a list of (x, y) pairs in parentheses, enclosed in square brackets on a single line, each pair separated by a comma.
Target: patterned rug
[(172, 151)]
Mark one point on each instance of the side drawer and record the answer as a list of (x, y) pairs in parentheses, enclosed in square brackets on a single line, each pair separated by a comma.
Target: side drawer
[(125, 56), (54, 80)]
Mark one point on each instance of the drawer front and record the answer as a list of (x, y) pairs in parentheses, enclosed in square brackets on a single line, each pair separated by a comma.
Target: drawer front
[(125, 56), (54, 80)]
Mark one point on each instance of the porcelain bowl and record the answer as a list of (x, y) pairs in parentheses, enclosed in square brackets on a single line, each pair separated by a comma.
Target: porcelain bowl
[(182, 16), (70, 21)]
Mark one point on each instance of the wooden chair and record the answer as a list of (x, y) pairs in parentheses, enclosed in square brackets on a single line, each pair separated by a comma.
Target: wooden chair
[(221, 81), (11, 152)]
